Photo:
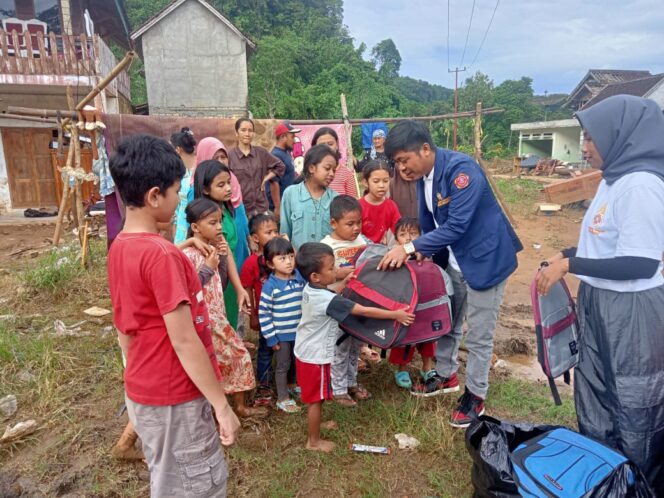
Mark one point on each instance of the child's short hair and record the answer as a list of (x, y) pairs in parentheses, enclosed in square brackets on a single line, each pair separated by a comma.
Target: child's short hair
[(310, 256), (199, 208), (259, 219), (407, 222), (142, 162), (277, 247), (343, 204)]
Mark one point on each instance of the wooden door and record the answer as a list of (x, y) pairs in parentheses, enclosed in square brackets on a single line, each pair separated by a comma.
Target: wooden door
[(29, 170)]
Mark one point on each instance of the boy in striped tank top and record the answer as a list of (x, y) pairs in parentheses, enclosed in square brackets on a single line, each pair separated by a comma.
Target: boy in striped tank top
[(279, 313)]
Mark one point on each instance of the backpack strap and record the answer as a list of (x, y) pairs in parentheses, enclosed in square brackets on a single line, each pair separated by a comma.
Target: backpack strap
[(343, 337), (566, 377), (554, 390)]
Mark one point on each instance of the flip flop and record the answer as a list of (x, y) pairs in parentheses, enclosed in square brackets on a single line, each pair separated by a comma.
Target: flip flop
[(403, 380)]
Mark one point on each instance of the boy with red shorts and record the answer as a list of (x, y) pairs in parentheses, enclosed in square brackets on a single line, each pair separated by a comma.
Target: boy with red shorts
[(172, 380), (316, 336)]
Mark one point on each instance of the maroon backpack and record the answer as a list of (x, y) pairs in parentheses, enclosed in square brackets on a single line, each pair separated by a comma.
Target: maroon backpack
[(421, 289)]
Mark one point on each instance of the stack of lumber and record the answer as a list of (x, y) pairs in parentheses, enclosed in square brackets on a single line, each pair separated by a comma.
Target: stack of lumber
[(574, 190)]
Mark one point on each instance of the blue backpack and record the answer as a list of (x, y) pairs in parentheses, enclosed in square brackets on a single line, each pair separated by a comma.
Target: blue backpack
[(561, 463), (545, 461)]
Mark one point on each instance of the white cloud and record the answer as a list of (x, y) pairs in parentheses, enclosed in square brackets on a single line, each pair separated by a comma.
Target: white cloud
[(555, 41)]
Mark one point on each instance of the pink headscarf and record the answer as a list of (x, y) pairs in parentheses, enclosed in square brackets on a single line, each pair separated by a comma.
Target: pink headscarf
[(205, 150)]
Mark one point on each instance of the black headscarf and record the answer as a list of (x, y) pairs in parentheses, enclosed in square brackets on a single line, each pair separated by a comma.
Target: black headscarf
[(628, 132)]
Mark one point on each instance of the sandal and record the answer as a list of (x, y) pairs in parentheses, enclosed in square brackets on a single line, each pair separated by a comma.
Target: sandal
[(359, 393), (403, 380), (288, 406), (344, 400)]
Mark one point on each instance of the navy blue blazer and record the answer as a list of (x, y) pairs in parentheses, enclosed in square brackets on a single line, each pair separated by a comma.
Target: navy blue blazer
[(470, 221)]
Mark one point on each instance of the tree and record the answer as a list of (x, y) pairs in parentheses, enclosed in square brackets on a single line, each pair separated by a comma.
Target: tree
[(387, 58)]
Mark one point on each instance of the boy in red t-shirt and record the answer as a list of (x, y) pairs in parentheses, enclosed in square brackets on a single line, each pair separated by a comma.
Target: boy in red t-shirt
[(262, 229), (172, 377)]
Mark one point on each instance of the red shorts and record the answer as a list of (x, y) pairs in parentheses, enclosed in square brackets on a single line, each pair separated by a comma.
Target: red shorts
[(427, 350), (314, 380)]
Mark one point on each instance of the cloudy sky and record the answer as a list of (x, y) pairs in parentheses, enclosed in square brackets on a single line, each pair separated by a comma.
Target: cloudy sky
[(552, 41)]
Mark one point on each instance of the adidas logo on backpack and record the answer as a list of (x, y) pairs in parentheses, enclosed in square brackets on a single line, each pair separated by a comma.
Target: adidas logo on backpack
[(380, 333)]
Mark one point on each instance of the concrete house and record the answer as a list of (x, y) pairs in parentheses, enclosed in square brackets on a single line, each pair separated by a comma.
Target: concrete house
[(195, 61), (45, 46), (561, 139)]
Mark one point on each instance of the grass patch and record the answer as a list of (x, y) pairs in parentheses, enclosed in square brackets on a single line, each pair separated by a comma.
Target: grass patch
[(520, 194)]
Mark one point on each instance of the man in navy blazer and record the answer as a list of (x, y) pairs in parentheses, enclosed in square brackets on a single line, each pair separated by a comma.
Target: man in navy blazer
[(459, 216)]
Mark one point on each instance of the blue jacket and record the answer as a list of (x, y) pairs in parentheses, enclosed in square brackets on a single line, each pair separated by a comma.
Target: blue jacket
[(470, 221)]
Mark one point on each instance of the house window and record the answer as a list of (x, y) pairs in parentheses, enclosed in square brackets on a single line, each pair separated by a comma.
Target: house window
[(7, 9), (48, 11)]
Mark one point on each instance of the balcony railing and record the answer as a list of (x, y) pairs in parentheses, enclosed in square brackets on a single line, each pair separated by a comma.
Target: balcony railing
[(37, 53)]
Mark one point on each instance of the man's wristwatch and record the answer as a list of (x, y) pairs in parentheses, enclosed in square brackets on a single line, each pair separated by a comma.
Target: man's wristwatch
[(409, 248)]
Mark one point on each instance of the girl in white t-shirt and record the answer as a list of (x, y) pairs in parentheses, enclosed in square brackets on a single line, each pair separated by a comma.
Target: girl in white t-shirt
[(619, 381)]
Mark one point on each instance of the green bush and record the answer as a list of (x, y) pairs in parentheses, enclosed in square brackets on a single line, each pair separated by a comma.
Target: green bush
[(53, 269)]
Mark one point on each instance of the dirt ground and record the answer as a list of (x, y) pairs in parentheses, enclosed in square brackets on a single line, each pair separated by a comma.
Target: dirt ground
[(95, 425)]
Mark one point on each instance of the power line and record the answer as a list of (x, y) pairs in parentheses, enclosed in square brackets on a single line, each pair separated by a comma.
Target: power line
[(485, 33), (470, 24), (448, 35)]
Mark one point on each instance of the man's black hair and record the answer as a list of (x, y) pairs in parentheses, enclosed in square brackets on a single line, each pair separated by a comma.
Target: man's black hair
[(310, 256), (407, 136), (343, 204), (277, 247), (257, 220), (142, 162)]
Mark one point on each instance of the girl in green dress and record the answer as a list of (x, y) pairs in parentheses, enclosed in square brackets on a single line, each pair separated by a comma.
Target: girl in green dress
[(212, 179)]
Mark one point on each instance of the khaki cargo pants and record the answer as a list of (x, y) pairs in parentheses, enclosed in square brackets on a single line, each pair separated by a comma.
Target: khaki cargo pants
[(182, 448)]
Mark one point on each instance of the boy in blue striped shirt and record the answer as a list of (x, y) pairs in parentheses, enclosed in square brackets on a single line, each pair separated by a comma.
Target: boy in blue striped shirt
[(279, 313)]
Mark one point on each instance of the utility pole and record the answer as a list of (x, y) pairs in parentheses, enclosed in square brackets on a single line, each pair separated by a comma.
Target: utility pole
[(456, 72)]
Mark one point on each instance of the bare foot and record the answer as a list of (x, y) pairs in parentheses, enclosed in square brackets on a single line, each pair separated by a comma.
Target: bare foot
[(321, 445), (330, 425), (248, 411)]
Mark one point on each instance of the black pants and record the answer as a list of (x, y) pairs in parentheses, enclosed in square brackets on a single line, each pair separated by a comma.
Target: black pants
[(619, 382)]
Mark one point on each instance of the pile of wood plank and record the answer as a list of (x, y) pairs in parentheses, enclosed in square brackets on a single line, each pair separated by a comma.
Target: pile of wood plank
[(576, 189)]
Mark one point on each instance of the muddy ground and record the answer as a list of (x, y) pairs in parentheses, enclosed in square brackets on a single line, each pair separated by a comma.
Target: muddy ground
[(25, 471)]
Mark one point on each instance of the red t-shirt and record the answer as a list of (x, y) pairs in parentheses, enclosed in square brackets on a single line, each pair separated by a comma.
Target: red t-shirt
[(250, 278), (149, 277), (378, 219)]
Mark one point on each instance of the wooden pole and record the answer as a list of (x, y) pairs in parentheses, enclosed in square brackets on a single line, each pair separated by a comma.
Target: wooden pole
[(480, 161), (104, 83), (478, 131), (349, 141), (65, 197)]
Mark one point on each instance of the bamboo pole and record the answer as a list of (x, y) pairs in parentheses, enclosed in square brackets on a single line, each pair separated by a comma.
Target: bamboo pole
[(104, 83), (84, 250), (349, 142), (480, 161)]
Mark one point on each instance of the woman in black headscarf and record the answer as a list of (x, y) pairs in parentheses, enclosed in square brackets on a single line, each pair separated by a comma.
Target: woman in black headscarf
[(619, 381)]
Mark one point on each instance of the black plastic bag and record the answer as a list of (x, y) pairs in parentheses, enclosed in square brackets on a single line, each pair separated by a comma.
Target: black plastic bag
[(490, 441)]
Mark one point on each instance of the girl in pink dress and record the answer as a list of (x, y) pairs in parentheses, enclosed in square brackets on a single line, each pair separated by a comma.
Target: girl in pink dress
[(204, 218)]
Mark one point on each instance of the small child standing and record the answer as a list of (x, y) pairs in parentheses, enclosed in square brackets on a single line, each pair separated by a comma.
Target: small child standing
[(279, 313), (305, 207), (346, 241), (407, 230), (172, 377), (316, 336), (237, 374), (262, 229), (379, 214)]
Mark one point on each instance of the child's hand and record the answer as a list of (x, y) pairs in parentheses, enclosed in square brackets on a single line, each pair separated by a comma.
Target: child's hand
[(342, 273), (212, 259), (403, 317), (229, 425), (243, 301), (222, 247), (276, 347), (203, 247), (284, 236)]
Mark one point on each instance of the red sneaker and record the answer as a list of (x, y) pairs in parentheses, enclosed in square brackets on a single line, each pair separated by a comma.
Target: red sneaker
[(470, 407), (435, 385)]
